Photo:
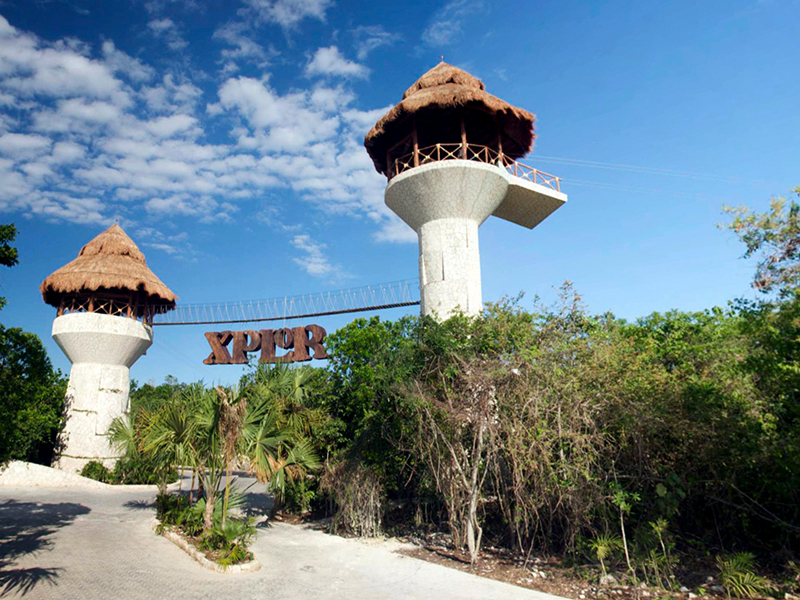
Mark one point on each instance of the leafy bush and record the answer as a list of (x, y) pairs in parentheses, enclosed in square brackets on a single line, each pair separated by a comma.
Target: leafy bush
[(299, 495), (229, 542), (139, 470), (553, 413), (98, 471)]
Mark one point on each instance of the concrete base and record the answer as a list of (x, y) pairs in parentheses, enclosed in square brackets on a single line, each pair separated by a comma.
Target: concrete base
[(102, 349), (445, 203)]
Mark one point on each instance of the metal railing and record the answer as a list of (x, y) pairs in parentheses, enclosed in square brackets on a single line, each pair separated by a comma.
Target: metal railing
[(476, 152)]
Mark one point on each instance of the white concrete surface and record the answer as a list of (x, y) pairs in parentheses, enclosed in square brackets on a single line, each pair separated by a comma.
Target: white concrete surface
[(87, 544), (24, 474), (445, 203), (528, 204), (102, 349)]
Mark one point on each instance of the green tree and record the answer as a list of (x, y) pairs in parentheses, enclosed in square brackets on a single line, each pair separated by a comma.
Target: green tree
[(8, 254), (153, 397), (278, 427), (31, 398), (774, 237), (31, 391), (368, 359)]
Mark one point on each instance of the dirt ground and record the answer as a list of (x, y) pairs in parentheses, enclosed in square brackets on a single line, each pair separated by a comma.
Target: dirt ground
[(549, 576)]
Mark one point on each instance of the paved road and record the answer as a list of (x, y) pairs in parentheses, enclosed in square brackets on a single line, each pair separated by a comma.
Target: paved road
[(57, 543)]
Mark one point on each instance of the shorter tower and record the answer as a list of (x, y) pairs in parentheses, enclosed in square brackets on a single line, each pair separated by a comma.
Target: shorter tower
[(106, 299), (449, 150)]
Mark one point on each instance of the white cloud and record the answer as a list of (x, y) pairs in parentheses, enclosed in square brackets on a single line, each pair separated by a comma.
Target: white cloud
[(288, 13), (328, 62), (122, 140), (167, 30), (22, 146), (127, 65), (242, 46), (276, 123), (448, 22), (205, 207), (165, 127), (31, 68), (67, 152), (171, 95), (372, 37), (314, 261)]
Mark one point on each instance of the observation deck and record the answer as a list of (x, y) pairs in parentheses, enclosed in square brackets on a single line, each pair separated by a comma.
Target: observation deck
[(532, 194)]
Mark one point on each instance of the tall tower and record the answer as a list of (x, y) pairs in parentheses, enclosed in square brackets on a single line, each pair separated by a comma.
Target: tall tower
[(106, 300), (449, 152)]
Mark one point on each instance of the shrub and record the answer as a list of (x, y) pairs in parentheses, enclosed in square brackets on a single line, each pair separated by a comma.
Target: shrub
[(227, 543), (738, 577), (358, 496), (139, 470), (97, 471)]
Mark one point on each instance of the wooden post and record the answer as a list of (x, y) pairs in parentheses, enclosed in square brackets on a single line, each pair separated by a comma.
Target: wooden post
[(463, 140), (91, 303), (416, 142), (499, 140)]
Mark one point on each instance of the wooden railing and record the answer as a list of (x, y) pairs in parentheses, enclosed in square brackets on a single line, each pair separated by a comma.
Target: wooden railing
[(517, 169), (484, 154), (120, 307)]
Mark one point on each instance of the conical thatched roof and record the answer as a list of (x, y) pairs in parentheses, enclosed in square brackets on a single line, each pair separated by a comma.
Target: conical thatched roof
[(446, 88), (111, 262)]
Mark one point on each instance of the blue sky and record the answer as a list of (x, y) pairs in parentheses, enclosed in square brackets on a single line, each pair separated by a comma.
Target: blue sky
[(226, 138)]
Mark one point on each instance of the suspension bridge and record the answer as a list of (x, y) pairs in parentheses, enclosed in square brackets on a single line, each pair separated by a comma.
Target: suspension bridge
[(360, 299)]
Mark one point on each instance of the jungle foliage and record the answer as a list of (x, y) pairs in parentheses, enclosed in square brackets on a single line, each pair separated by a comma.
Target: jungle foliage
[(546, 425), (31, 391), (549, 429), (261, 425)]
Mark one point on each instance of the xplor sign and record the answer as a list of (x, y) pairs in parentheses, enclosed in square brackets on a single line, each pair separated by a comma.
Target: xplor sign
[(302, 343)]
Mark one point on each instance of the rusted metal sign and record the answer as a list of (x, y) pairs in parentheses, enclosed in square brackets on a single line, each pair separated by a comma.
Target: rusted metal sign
[(302, 343)]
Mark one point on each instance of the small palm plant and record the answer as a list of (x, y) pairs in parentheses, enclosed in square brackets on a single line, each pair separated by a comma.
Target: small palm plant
[(738, 577), (275, 429), (604, 546), (169, 435)]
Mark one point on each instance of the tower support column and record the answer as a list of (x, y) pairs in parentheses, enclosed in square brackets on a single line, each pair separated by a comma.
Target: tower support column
[(450, 267), (102, 348), (445, 203)]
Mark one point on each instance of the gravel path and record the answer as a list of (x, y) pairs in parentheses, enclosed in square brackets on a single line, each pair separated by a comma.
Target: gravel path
[(68, 543)]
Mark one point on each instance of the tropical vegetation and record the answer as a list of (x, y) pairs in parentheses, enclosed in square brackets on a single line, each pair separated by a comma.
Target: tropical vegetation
[(262, 425), (648, 448), (31, 391)]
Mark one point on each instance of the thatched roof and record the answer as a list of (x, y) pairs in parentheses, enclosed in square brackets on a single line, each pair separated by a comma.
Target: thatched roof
[(448, 88), (111, 262)]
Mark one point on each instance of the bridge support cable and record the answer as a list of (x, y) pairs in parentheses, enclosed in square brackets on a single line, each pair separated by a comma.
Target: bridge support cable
[(361, 299)]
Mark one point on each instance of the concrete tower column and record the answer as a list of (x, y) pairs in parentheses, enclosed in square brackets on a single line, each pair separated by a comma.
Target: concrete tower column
[(102, 348), (445, 203)]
